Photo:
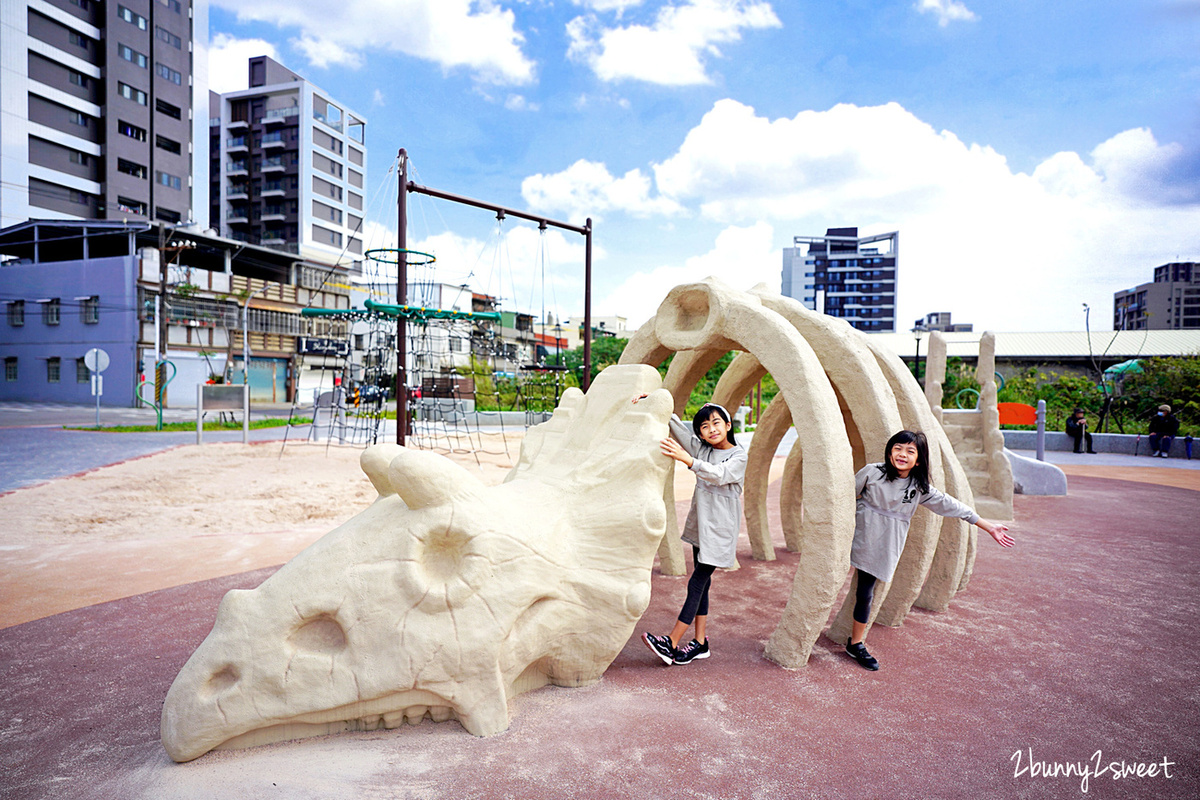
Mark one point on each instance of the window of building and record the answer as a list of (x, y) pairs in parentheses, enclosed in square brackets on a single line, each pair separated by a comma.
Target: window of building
[(78, 39), (78, 118), (131, 17), (132, 131), (89, 309), (82, 373), (326, 236), (131, 168), (10, 368), (51, 311), (167, 179), (166, 36), (171, 4), (84, 4), (16, 313), (130, 206), (167, 215), (170, 145), (53, 369), (131, 55), (76, 157), (167, 73), (174, 112), (78, 79), (130, 93)]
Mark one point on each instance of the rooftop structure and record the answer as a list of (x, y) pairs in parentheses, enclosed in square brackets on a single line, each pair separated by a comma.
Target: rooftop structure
[(1170, 302), (288, 166), (845, 275)]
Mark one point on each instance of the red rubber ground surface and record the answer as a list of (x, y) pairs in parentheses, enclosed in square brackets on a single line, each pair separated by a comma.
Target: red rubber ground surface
[(1081, 639)]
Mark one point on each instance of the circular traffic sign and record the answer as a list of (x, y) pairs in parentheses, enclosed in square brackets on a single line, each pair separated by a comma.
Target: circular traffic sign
[(96, 360)]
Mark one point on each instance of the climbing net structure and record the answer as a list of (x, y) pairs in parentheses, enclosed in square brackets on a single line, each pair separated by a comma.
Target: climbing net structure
[(462, 385)]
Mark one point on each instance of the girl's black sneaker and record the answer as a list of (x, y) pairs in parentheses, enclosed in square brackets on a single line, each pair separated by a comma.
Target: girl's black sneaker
[(661, 645), (691, 651), (858, 651)]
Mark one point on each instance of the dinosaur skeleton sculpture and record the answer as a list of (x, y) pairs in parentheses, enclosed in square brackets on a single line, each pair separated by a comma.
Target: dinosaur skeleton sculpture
[(445, 598), (846, 395)]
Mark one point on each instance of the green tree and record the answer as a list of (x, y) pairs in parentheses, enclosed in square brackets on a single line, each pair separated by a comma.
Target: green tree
[(1171, 380)]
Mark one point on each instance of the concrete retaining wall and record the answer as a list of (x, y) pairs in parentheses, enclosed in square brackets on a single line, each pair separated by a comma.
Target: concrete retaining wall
[(1122, 443)]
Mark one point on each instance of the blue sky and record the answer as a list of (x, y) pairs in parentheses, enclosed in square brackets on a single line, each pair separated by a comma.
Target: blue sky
[(1033, 156)]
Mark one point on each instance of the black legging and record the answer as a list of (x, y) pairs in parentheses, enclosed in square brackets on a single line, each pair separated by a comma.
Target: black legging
[(696, 603), (863, 596)]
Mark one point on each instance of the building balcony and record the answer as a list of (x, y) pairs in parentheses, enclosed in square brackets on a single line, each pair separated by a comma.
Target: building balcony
[(236, 168), (277, 116), (237, 194), (236, 144), (273, 165), (274, 217), (237, 125), (273, 141), (277, 192)]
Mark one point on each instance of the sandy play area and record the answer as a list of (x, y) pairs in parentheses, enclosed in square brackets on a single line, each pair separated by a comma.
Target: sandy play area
[(188, 514)]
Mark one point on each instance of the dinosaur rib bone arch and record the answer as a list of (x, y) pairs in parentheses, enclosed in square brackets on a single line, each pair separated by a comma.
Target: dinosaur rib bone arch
[(845, 395)]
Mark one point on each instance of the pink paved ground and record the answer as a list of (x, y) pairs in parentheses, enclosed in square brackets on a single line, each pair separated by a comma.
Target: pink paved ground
[(1079, 640)]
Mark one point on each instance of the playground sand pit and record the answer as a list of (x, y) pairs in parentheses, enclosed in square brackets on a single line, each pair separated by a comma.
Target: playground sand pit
[(190, 514), (187, 514)]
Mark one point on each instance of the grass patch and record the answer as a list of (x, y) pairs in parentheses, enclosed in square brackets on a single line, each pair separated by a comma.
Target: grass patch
[(255, 424)]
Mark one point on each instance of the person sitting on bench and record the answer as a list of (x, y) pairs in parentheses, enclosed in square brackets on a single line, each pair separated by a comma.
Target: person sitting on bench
[(1163, 428), (1077, 430)]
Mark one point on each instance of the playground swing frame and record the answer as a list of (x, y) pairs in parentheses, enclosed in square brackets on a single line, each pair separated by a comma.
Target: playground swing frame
[(401, 262)]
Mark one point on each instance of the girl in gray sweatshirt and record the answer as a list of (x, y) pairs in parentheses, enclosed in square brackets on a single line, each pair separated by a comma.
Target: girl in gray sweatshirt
[(709, 450), (888, 496)]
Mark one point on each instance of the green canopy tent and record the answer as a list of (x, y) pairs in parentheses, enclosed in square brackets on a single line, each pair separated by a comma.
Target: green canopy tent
[(1131, 367)]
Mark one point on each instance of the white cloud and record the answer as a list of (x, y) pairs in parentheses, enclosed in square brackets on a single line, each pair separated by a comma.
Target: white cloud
[(227, 57), (377, 98), (618, 6), (1003, 250), (588, 189), (480, 37), (518, 102), (743, 257), (674, 50), (947, 11), (323, 53)]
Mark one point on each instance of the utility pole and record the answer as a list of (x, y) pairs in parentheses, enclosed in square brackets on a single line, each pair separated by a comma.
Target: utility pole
[(402, 301)]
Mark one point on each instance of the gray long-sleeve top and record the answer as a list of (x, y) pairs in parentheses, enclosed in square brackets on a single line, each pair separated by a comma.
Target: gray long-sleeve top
[(715, 517), (883, 513)]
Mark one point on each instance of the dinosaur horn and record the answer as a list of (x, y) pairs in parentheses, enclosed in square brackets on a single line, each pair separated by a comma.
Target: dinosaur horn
[(426, 479)]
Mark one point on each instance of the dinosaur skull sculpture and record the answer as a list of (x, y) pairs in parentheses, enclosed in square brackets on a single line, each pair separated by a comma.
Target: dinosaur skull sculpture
[(446, 597)]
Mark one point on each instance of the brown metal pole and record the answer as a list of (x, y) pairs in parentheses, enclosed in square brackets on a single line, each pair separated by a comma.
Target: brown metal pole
[(402, 300), (587, 308)]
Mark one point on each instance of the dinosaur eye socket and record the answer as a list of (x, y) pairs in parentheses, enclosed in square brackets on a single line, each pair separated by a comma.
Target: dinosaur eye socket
[(320, 635)]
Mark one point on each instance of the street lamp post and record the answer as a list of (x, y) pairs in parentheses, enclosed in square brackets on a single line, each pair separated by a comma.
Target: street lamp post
[(917, 331)]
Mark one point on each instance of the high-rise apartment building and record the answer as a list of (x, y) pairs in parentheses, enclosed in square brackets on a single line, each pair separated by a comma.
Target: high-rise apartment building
[(288, 166), (96, 104), (844, 275), (1171, 302)]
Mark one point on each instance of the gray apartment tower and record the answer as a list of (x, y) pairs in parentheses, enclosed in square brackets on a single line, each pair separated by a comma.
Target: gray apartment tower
[(96, 104), (845, 275), (287, 166), (1171, 302)]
